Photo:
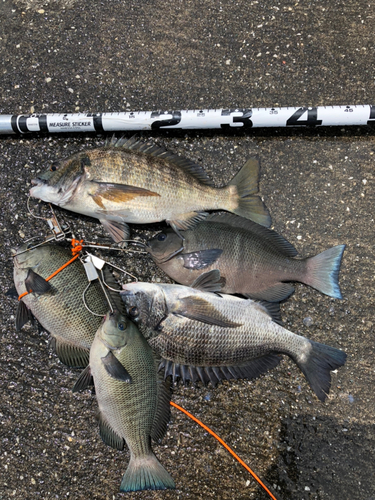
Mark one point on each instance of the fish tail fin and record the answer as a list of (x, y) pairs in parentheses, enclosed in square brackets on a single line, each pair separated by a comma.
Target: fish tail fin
[(146, 473), (323, 271), (249, 204), (317, 364)]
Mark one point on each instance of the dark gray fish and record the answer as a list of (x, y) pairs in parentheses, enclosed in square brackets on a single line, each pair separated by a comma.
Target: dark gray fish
[(133, 401), (253, 260), (130, 181), (57, 304), (209, 336)]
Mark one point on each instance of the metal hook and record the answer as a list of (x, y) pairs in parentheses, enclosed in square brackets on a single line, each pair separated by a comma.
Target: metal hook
[(85, 303)]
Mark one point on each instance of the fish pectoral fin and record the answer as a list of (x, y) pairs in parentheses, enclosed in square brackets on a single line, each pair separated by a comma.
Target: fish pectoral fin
[(114, 368), (186, 221), (199, 309), (210, 281), (23, 315), (119, 193), (36, 284), (119, 231), (201, 259), (84, 381), (70, 355), (109, 436), (277, 293)]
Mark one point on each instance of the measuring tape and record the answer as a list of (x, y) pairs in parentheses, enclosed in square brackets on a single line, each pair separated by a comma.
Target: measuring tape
[(246, 118)]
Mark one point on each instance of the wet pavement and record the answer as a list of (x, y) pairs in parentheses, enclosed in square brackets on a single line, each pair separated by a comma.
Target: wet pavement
[(318, 184)]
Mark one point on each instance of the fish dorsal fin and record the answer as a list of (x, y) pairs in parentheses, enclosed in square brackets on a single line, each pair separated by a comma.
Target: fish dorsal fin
[(114, 368), (201, 259), (279, 243), (36, 284), (84, 381), (70, 355), (163, 408), (186, 221), (199, 309), (23, 315), (209, 282), (109, 436), (188, 166)]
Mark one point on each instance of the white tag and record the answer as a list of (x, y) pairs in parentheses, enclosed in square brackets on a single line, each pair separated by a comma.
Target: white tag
[(90, 269)]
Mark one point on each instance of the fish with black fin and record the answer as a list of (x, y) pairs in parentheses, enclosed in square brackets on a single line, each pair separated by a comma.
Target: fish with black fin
[(208, 336), (57, 304), (133, 400), (253, 260), (129, 181)]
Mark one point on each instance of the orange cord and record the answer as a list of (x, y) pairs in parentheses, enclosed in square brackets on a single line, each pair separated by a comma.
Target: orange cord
[(76, 248), (225, 446)]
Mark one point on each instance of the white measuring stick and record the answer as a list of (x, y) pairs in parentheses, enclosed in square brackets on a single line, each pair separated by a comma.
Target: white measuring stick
[(246, 118)]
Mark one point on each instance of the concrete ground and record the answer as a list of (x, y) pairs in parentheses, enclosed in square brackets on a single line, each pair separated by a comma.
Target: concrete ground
[(88, 56)]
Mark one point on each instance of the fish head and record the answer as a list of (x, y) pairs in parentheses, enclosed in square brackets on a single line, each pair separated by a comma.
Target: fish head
[(116, 330), (145, 304), (164, 246), (28, 256), (58, 184)]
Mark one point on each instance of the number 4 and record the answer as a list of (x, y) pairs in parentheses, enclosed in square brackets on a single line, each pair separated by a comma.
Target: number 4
[(311, 120)]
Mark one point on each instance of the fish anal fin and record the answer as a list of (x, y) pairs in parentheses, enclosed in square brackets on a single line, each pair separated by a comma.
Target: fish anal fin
[(276, 293), (36, 284), (120, 193), (119, 231), (201, 259), (114, 368), (199, 309), (109, 436), (187, 220), (71, 355), (84, 381)]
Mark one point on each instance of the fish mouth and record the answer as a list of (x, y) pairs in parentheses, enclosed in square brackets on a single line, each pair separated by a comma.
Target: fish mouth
[(38, 182)]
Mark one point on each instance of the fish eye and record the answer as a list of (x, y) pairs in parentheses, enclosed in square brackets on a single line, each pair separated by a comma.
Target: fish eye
[(121, 326), (29, 245), (161, 237), (53, 168), (133, 312)]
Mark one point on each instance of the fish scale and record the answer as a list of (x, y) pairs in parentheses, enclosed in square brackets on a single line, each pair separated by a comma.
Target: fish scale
[(61, 311), (210, 336), (132, 182), (253, 260), (133, 400)]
